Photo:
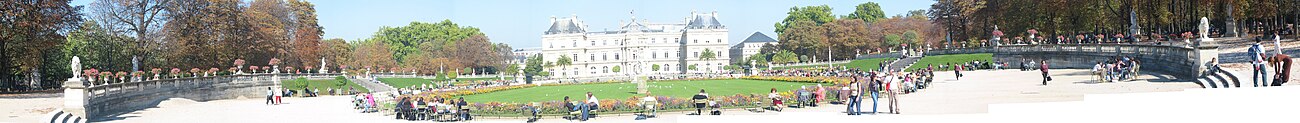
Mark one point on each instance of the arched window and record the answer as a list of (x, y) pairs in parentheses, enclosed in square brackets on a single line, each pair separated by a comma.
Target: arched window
[(604, 69), (593, 70), (668, 67)]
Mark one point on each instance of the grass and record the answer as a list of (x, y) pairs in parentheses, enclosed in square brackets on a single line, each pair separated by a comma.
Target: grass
[(865, 64), (299, 83), (947, 59), (683, 89), (408, 82)]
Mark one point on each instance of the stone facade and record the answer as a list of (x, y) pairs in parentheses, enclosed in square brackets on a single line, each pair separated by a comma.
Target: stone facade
[(672, 46)]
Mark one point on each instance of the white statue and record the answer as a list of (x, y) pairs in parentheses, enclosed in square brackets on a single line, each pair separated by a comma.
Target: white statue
[(1205, 27), (322, 65), (76, 66)]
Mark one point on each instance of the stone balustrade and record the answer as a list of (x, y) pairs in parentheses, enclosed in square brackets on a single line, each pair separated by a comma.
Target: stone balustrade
[(110, 100), (1180, 61)]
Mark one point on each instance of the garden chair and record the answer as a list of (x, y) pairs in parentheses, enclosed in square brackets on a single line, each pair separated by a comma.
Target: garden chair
[(648, 108)]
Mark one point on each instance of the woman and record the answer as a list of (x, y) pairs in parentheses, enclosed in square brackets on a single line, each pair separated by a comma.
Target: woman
[(777, 104)]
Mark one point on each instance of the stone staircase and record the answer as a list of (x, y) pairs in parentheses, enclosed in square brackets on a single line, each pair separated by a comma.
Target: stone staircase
[(1219, 78), (900, 64)]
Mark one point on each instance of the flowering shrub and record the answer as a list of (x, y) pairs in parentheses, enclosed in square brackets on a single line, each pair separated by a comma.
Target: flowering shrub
[(817, 79)]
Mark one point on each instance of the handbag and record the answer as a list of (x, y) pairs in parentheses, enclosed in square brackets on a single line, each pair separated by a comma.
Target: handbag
[(1049, 78)]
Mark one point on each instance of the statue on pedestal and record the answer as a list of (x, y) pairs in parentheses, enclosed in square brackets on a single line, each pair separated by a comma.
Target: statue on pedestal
[(76, 67), (1204, 32)]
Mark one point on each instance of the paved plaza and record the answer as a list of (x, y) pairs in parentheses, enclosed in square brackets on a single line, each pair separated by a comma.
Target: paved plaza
[(948, 97)]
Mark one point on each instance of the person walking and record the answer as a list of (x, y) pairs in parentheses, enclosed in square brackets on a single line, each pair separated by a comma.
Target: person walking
[(957, 69), (873, 86), (890, 87), (1043, 67), (270, 93), (1260, 73), (853, 97)]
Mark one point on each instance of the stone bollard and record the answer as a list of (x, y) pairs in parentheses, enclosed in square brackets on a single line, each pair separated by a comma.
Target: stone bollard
[(75, 98)]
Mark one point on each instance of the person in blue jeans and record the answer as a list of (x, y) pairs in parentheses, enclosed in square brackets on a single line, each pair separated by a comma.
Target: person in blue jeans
[(1256, 53), (872, 86), (854, 101)]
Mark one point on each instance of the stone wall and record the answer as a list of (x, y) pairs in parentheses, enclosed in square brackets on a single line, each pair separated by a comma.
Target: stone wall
[(106, 102), (1179, 61)]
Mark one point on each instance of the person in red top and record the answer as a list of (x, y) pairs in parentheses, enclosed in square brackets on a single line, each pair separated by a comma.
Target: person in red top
[(1043, 66), (958, 70)]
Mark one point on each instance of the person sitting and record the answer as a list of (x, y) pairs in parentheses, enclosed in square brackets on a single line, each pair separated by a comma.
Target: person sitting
[(591, 104), (777, 104), (574, 109), (648, 105), (1099, 71), (715, 108), (819, 95), (700, 100), (804, 97)]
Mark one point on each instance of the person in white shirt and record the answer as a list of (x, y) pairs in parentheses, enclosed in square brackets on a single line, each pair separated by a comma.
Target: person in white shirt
[(1099, 70), (1277, 42)]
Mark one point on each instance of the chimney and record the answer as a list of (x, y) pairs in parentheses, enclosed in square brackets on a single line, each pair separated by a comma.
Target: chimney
[(715, 13), (552, 18)]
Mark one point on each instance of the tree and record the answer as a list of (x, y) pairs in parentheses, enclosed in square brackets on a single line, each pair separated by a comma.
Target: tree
[(655, 67), (867, 12), (143, 18), (306, 33), (803, 37), (816, 14), (29, 30), (533, 67), (892, 40), (707, 54), (374, 53), (510, 69), (616, 69), (564, 61), (441, 36), (337, 50), (847, 37), (911, 38), (476, 52), (785, 56), (758, 59), (99, 48), (692, 67)]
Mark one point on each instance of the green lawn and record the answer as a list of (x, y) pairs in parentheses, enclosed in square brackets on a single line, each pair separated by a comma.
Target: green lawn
[(946, 59), (408, 82), (323, 84), (621, 91), (866, 64)]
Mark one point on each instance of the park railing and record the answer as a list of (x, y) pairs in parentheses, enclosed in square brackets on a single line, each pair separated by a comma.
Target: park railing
[(109, 99), (1178, 60)]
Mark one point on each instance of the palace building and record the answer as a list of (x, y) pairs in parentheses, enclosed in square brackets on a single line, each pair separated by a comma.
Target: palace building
[(637, 46)]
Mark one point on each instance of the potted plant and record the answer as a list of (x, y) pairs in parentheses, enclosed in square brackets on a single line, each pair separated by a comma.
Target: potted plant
[(232, 70), (121, 76), (194, 72), (213, 71), (176, 73), (156, 72), (252, 69), (137, 76), (106, 76), (307, 68), (289, 69), (275, 65), (90, 75), (239, 66)]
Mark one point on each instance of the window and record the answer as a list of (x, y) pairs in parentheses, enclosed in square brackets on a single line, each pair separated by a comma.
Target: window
[(678, 40), (668, 67), (719, 40), (593, 43), (695, 41), (654, 55), (695, 54), (575, 43), (552, 45), (604, 69), (593, 57), (616, 56), (604, 56), (706, 41), (666, 55), (593, 70)]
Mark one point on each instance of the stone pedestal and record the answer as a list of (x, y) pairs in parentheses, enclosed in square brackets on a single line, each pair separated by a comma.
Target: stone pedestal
[(75, 97), (1203, 56), (641, 87)]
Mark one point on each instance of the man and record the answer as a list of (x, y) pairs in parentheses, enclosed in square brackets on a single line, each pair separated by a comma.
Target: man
[(1099, 71), (270, 93), (1260, 73), (464, 111), (890, 86), (700, 100), (590, 104), (1043, 67)]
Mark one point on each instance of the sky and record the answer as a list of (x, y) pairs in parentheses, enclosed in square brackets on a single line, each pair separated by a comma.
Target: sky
[(520, 23)]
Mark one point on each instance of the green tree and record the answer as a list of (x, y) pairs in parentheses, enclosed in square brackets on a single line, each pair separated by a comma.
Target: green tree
[(758, 59), (892, 40), (615, 69), (867, 12), (654, 67), (442, 35), (911, 38), (28, 31), (564, 61), (785, 56), (707, 54), (533, 67), (692, 67), (99, 48), (818, 14)]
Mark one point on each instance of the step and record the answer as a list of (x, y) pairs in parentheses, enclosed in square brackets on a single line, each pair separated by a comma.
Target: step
[(1220, 80)]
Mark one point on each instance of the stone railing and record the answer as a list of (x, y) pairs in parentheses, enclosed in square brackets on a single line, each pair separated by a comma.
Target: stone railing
[(1180, 61), (109, 100)]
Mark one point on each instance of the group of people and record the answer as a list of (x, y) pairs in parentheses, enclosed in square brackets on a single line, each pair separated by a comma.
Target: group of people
[(1260, 63), (872, 84), (417, 108), (1117, 69), (582, 110)]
